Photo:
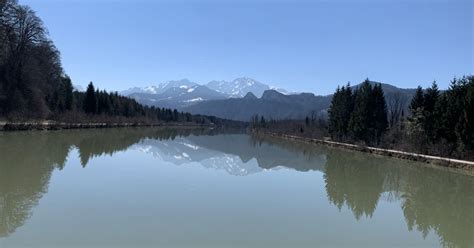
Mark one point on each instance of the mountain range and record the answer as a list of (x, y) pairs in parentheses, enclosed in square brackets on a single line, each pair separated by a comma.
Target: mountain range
[(244, 97), (183, 93), (272, 105)]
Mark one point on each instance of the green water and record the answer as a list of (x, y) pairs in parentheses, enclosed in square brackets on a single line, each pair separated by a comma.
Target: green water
[(154, 187)]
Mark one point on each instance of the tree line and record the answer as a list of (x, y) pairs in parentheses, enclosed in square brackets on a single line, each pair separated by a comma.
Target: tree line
[(313, 126), (100, 102), (359, 114), (438, 122), (34, 86), (444, 120), (434, 122)]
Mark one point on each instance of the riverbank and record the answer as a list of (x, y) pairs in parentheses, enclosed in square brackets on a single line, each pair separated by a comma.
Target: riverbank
[(53, 125), (434, 160)]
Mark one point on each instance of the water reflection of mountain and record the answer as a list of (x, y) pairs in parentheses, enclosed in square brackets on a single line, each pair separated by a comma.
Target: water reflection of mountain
[(182, 151), (431, 199), (237, 154), (268, 155)]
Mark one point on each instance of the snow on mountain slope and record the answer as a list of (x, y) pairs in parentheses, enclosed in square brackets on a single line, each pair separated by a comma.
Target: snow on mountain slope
[(179, 97), (239, 87), (183, 93), (160, 88)]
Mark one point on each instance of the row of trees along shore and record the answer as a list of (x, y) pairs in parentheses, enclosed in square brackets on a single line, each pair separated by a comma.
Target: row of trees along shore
[(33, 85), (434, 122)]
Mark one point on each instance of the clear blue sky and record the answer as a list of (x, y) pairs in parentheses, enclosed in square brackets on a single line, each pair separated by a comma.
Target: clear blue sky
[(298, 45)]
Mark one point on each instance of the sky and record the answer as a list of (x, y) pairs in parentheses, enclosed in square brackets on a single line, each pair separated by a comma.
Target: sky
[(309, 46)]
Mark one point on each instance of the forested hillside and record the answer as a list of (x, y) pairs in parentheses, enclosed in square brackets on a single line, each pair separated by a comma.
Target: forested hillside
[(272, 105), (34, 86)]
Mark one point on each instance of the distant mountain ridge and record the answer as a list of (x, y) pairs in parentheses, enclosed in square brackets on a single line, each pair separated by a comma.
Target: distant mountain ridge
[(182, 93), (272, 105), (275, 105), (244, 97)]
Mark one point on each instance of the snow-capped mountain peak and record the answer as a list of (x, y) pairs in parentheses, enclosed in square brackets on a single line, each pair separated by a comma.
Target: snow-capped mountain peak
[(134, 90), (244, 81), (150, 89), (182, 84), (239, 87), (160, 88), (183, 93)]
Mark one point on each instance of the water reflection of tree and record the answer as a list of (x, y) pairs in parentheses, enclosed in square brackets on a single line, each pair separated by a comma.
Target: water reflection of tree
[(442, 202), (97, 142), (353, 181), (431, 199), (27, 160), (26, 164)]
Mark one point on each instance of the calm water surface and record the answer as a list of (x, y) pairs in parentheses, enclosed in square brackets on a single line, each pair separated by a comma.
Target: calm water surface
[(198, 188)]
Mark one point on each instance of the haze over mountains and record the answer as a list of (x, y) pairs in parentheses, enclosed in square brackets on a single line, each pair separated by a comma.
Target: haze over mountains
[(243, 98)]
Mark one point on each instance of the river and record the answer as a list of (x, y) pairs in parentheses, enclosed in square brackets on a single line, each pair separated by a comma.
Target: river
[(164, 187)]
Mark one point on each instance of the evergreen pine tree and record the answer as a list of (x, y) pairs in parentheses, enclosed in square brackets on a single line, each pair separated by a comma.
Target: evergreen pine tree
[(380, 112), (90, 101), (361, 121), (347, 108), (429, 102), (416, 127), (340, 111), (68, 93), (468, 115), (430, 98), (440, 124), (417, 101), (464, 127), (335, 124), (453, 114)]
